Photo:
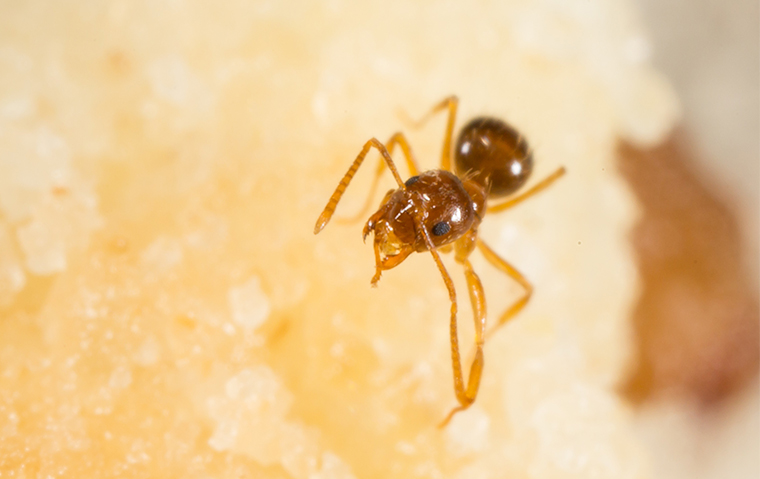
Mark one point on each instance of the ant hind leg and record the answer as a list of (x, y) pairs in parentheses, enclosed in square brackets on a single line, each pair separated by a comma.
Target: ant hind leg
[(450, 103), (506, 268), (537, 188)]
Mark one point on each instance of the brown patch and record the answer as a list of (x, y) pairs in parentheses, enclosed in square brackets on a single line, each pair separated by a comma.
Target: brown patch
[(697, 319)]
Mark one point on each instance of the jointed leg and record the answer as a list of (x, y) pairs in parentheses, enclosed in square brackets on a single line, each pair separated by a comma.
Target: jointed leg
[(465, 397), (537, 188), (478, 301), (397, 139), (510, 271), (327, 213), (451, 104), (400, 140)]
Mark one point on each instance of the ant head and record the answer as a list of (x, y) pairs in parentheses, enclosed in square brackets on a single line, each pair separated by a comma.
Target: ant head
[(436, 201), (393, 230)]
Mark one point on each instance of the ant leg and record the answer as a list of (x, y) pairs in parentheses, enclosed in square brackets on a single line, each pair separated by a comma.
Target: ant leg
[(397, 139), (327, 213), (451, 103), (467, 396), (400, 140), (537, 188), (510, 271), (478, 301)]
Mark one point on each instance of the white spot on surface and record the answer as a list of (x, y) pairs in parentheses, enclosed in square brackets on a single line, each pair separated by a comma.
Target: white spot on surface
[(468, 432), (163, 254), (11, 425), (320, 107), (17, 108), (637, 49), (137, 453), (171, 79), (148, 353), (174, 82), (120, 378), (579, 436), (12, 276), (337, 350), (332, 468), (405, 448), (45, 252), (249, 305), (251, 396)]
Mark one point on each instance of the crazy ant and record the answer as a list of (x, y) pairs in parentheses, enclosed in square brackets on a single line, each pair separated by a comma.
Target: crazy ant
[(435, 208)]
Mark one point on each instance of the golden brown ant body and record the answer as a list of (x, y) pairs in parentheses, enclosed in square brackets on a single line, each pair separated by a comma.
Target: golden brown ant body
[(436, 208)]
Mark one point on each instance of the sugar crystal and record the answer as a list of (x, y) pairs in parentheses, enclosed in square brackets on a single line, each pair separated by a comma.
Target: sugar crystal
[(249, 304)]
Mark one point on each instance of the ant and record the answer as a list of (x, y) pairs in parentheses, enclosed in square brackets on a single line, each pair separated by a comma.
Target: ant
[(433, 209)]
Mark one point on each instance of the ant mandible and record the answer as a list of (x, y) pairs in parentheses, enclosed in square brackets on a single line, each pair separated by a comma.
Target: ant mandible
[(433, 209)]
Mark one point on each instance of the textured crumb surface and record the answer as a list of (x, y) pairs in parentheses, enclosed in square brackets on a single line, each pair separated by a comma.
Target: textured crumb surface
[(166, 310)]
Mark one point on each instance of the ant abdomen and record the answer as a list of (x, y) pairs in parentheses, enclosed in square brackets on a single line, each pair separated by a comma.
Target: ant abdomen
[(493, 154)]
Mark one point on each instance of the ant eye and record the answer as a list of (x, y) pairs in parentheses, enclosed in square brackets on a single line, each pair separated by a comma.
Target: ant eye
[(440, 229), (412, 180)]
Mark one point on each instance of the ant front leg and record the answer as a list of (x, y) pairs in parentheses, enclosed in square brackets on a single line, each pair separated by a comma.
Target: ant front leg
[(451, 103), (467, 396), (478, 301), (396, 139), (510, 271), (327, 213)]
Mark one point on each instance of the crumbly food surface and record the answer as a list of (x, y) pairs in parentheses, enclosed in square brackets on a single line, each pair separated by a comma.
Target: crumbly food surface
[(165, 309)]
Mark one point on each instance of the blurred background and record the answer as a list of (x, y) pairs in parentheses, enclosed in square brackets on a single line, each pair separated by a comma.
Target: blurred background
[(709, 50), (124, 319), (698, 321)]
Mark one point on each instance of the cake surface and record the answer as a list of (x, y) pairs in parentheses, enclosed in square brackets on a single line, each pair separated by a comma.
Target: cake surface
[(165, 309)]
